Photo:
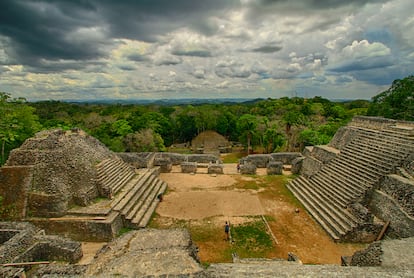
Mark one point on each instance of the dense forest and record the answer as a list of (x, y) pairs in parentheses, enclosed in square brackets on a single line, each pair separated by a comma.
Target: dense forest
[(262, 126)]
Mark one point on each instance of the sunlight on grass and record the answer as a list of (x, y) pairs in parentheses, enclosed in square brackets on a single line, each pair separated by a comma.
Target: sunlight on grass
[(251, 240)]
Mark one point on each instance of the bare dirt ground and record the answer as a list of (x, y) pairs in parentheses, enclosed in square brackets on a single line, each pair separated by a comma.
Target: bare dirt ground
[(200, 196)]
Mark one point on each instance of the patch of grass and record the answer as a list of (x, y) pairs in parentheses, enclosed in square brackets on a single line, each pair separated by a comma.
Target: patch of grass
[(251, 240), (124, 230), (180, 150), (232, 157), (99, 199)]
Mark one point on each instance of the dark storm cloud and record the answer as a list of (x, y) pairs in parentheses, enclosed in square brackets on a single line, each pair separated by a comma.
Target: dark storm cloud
[(196, 53), (38, 30), (41, 30), (267, 49)]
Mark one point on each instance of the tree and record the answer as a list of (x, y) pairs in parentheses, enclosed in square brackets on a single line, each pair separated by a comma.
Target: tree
[(397, 102), (17, 123), (145, 140), (247, 126)]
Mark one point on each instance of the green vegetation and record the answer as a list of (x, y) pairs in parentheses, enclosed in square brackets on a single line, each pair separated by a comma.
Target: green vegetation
[(262, 126), (251, 240), (397, 102)]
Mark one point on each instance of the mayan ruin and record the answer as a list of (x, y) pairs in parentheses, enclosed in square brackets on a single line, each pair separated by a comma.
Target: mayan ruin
[(64, 187)]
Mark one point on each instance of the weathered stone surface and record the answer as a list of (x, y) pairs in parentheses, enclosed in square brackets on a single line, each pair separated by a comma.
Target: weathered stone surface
[(386, 208), (285, 157), (202, 158), (164, 163), (15, 183), (176, 158), (138, 160), (215, 169), (189, 167), (324, 153), (63, 167), (274, 168), (401, 190), (259, 160), (368, 257), (23, 242), (148, 252), (297, 165), (310, 166), (248, 169)]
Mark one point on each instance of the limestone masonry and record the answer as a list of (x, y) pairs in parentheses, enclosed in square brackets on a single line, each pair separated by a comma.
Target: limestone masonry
[(61, 187)]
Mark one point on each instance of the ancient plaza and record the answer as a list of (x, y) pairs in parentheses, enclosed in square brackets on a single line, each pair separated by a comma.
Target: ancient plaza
[(63, 187)]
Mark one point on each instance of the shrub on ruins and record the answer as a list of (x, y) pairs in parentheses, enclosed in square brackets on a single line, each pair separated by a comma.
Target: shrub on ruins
[(397, 102)]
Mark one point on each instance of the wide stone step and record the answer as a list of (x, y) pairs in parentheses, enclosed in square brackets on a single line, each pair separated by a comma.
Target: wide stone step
[(136, 203), (355, 169), (295, 189), (114, 177), (368, 159), (386, 142), (107, 176), (332, 213), (358, 181), (323, 209), (137, 198), (108, 166), (327, 187), (338, 205), (128, 194), (374, 170), (150, 199), (369, 154), (351, 187), (148, 214)]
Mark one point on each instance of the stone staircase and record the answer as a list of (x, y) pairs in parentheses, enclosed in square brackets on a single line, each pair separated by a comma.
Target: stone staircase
[(132, 199), (359, 165), (134, 195)]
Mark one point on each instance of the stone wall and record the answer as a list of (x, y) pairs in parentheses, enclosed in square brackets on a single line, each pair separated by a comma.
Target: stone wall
[(386, 208), (189, 167), (342, 137), (274, 168), (310, 166), (83, 230), (370, 256), (315, 158), (15, 183), (401, 190), (378, 123), (27, 243), (138, 160), (176, 158), (284, 157), (259, 160), (248, 169)]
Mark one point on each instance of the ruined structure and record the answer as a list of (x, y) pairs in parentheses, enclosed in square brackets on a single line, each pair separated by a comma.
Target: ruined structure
[(362, 180), (210, 141), (67, 182)]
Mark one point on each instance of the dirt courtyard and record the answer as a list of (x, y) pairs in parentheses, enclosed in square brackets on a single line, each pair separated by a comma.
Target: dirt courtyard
[(234, 197)]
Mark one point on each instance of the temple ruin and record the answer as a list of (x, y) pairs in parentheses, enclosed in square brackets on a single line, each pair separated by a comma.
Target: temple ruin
[(359, 188)]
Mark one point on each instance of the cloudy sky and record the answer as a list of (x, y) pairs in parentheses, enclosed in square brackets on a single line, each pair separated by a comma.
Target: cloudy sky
[(153, 49)]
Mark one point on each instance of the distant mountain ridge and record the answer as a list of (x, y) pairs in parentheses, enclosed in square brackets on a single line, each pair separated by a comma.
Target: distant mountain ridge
[(166, 101)]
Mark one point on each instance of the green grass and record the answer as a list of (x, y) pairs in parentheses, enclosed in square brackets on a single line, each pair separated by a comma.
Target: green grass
[(124, 230), (251, 240), (232, 157)]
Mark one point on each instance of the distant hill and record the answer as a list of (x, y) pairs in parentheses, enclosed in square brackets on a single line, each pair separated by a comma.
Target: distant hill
[(194, 101)]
